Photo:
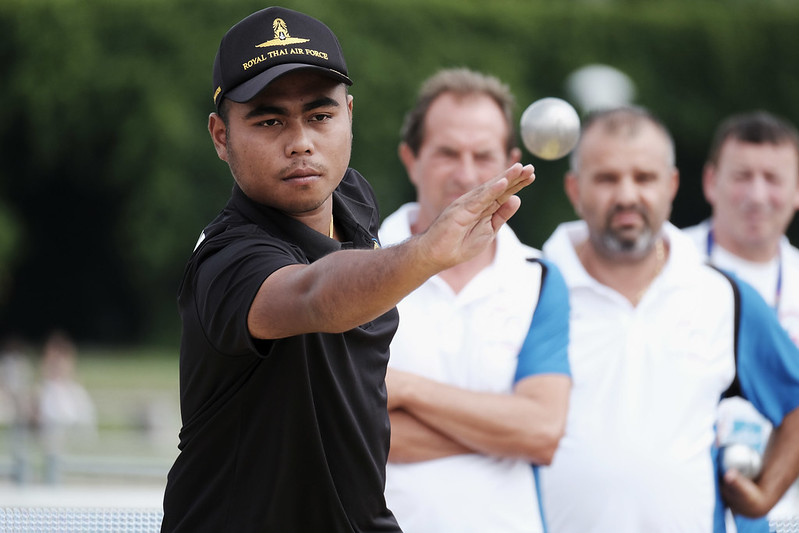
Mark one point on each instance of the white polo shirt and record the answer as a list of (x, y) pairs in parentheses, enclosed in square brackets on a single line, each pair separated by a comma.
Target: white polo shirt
[(638, 453), (762, 276), (777, 281), (503, 326)]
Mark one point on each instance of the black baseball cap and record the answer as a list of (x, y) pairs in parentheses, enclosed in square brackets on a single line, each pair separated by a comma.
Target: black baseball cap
[(268, 44)]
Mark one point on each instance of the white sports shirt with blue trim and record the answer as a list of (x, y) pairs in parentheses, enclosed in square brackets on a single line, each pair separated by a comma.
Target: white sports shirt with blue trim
[(762, 276), (638, 453), (509, 322), (777, 281)]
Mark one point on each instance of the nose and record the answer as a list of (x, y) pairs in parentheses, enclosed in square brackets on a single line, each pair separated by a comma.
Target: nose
[(466, 172), (758, 189), (298, 140), (626, 191)]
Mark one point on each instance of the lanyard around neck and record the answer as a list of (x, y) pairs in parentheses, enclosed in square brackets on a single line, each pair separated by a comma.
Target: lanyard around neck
[(777, 292)]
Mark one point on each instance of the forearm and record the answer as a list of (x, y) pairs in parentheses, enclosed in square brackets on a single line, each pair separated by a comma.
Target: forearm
[(412, 441), (781, 459), (348, 288), (780, 469), (339, 291), (527, 426)]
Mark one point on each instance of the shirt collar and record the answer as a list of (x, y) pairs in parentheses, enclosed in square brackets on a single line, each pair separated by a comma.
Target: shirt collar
[(560, 247), (351, 216)]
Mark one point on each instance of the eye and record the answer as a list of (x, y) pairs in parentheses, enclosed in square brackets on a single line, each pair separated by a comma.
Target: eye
[(604, 177), (773, 178), (320, 117), (270, 122), (486, 157), (445, 153)]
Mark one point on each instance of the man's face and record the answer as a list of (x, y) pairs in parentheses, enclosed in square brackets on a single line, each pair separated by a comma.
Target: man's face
[(288, 147), (754, 192), (624, 189), (465, 144)]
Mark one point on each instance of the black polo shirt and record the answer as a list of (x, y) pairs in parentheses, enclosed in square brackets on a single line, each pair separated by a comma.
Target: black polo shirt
[(287, 435)]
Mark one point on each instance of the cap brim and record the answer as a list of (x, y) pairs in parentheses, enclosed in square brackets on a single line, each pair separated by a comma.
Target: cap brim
[(250, 88)]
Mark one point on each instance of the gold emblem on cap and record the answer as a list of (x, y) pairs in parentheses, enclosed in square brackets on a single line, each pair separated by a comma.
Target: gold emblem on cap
[(282, 36)]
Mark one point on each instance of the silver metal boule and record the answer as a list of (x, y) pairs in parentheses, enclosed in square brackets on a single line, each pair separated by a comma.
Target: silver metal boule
[(743, 458), (550, 128)]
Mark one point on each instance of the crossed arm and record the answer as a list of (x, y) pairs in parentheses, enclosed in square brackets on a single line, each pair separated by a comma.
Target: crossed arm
[(431, 420)]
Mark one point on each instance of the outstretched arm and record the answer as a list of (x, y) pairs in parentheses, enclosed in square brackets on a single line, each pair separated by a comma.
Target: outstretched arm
[(351, 287)]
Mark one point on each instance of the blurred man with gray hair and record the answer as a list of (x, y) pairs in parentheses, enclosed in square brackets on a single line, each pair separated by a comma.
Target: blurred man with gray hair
[(658, 337)]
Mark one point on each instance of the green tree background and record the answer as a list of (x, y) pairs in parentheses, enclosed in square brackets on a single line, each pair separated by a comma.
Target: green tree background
[(108, 174)]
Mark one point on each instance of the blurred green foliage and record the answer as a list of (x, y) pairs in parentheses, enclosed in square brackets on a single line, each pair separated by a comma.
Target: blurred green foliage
[(108, 174)]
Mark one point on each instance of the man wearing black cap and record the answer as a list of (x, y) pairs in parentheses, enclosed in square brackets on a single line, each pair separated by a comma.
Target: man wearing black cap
[(288, 301)]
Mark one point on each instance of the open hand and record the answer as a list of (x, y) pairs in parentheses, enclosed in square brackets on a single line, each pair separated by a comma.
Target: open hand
[(471, 222)]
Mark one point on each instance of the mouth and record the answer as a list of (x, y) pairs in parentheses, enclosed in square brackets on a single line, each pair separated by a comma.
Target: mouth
[(302, 176), (755, 215), (626, 219)]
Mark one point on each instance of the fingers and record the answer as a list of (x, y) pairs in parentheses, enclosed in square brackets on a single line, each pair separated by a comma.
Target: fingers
[(396, 383), (736, 485), (505, 211), (470, 223), (741, 494), (524, 177), (518, 177), (505, 186)]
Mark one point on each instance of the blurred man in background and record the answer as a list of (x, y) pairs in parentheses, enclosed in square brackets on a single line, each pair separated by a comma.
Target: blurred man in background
[(657, 338), (64, 406), (751, 181), (478, 378)]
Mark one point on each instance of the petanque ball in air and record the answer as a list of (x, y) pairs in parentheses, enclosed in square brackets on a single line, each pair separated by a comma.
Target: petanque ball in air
[(550, 128)]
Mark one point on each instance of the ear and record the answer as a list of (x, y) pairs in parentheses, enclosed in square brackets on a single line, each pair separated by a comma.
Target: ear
[(796, 200), (218, 131), (709, 183), (675, 184), (515, 156), (408, 159), (350, 105), (572, 188)]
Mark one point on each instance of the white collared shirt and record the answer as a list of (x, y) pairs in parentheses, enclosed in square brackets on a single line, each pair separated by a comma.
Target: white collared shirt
[(472, 339)]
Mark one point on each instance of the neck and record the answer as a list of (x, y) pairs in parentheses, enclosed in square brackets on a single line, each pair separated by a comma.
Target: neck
[(630, 278), (460, 275), (331, 230), (761, 252)]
